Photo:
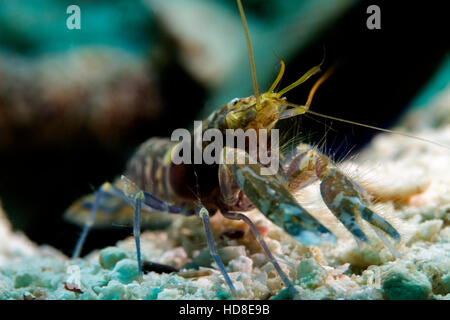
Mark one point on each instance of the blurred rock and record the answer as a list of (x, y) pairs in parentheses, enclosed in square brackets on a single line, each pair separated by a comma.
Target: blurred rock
[(97, 92)]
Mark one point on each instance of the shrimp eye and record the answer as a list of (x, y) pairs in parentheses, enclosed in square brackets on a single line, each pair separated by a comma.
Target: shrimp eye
[(233, 102)]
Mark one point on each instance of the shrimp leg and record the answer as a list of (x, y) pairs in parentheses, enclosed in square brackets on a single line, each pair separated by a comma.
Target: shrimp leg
[(271, 195), (203, 214), (259, 238), (345, 198), (135, 197)]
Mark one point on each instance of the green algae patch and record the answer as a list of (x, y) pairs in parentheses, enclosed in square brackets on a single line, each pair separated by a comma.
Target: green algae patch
[(113, 291), (110, 256), (443, 284), (152, 293), (403, 283), (310, 273), (284, 294), (222, 295), (23, 280), (125, 271)]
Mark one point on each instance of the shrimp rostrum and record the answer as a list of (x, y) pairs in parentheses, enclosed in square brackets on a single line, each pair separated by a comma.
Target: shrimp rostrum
[(153, 182)]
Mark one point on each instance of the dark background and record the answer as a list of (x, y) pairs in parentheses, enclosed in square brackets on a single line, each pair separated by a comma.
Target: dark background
[(379, 73)]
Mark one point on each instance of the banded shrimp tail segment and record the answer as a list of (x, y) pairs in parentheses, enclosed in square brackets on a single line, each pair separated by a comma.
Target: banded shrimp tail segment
[(150, 168), (113, 208), (124, 200), (102, 199), (126, 195)]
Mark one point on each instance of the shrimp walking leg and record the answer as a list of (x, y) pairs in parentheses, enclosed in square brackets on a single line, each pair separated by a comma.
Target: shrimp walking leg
[(133, 196), (271, 195), (259, 238), (138, 197), (137, 229), (203, 214), (90, 222), (345, 198)]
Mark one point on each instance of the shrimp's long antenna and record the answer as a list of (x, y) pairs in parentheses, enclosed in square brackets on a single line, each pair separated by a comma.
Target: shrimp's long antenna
[(300, 109), (377, 128), (325, 77), (250, 51)]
